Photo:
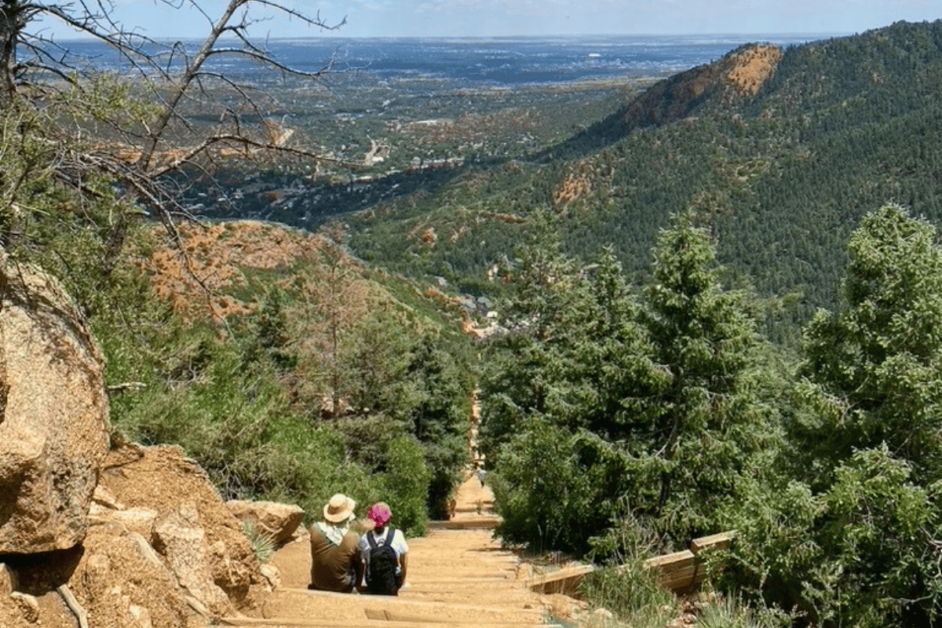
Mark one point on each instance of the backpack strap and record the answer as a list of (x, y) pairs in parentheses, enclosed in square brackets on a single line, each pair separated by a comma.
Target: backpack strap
[(371, 537)]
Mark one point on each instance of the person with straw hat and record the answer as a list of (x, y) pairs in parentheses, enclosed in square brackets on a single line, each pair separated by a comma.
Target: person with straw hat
[(335, 556)]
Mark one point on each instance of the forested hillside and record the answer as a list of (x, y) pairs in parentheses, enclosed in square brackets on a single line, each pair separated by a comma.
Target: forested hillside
[(780, 176), (286, 368)]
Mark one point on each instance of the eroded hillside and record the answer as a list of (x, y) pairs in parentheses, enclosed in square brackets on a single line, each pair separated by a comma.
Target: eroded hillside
[(738, 75)]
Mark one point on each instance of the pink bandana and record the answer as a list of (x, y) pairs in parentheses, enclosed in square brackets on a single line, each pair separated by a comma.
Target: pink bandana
[(379, 514)]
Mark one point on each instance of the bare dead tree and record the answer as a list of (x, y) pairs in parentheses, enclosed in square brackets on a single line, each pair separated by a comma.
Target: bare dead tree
[(135, 147)]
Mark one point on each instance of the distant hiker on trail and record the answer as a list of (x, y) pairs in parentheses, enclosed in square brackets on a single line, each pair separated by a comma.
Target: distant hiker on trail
[(384, 553), (335, 558), (479, 474)]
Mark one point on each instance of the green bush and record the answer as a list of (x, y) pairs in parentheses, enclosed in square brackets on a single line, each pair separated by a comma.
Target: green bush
[(860, 553), (552, 489), (624, 585), (730, 612), (406, 482), (263, 545)]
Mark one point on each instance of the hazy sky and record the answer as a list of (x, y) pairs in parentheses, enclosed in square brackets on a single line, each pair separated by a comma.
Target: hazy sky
[(482, 18)]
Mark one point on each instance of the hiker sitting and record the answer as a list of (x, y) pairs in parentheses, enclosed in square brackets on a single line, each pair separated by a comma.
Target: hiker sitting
[(335, 558), (384, 553)]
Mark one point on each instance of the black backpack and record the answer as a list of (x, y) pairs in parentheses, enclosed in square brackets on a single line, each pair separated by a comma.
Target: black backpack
[(381, 574)]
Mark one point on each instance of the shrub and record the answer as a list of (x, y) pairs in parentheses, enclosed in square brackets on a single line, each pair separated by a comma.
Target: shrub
[(407, 480), (860, 553), (263, 546)]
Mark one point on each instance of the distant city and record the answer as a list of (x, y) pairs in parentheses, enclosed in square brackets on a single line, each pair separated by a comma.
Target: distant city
[(476, 62)]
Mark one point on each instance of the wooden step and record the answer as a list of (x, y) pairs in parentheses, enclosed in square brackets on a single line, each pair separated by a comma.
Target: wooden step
[(399, 616), (476, 508), (495, 575), (366, 623), (564, 580), (457, 569), (465, 524), (310, 605), (518, 598)]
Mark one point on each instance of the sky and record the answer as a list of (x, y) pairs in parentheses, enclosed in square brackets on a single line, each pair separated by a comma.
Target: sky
[(492, 18)]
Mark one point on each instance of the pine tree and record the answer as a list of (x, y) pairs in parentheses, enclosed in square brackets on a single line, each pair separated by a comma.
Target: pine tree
[(873, 370), (708, 419)]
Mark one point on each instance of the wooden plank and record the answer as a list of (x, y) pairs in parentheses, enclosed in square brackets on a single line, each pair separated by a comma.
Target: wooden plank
[(469, 580), (567, 579), (714, 541), (365, 623), (679, 571), (666, 562), (401, 617), (482, 522), (392, 601), (477, 508), (680, 574), (682, 578)]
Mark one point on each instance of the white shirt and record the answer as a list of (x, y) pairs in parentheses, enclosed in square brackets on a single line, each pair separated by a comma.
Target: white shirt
[(398, 541)]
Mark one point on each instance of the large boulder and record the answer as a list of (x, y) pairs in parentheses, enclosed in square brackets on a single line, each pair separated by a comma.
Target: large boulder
[(180, 538), (273, 519), (139, 481), (53, 414)]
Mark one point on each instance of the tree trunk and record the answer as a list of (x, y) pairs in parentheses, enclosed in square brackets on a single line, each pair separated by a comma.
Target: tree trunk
[(10, 25)]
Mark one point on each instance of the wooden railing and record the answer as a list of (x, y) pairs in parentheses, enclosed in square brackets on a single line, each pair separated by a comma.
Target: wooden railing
[(681, 572)]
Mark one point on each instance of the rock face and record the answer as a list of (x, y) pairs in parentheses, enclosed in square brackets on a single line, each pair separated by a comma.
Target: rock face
[(738, 75), (141, 481), (53, 414), (182, 541), (278, 521)]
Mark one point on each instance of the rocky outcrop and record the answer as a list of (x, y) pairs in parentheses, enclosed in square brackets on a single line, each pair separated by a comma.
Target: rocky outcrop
[(162, 545), (749, 68), (145, 480), (121, 581), (179, 537), (53, 414), (12, 613), (738, 75), (275, 520), (130, 536)]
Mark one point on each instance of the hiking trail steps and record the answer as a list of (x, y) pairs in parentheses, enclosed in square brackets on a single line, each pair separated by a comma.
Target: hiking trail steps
[(458, 576)]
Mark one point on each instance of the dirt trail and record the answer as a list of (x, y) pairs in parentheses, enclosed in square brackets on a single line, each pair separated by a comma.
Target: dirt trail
[(458, 575)]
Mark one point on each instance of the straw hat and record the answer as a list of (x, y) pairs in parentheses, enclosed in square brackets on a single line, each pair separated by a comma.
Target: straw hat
[(339, 508)]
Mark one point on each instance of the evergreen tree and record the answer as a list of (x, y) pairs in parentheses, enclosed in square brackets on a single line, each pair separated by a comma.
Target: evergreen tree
[(558, 384), (658, 411), (270, 339), (708, 419), (873, 370), (851, 538), (528, 365)]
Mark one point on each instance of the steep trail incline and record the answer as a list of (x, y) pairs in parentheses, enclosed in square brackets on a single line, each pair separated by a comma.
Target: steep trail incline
[(458, 575)]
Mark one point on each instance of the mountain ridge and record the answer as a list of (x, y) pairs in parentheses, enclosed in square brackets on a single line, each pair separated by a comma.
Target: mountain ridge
[(738, 75), (781, 171)]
